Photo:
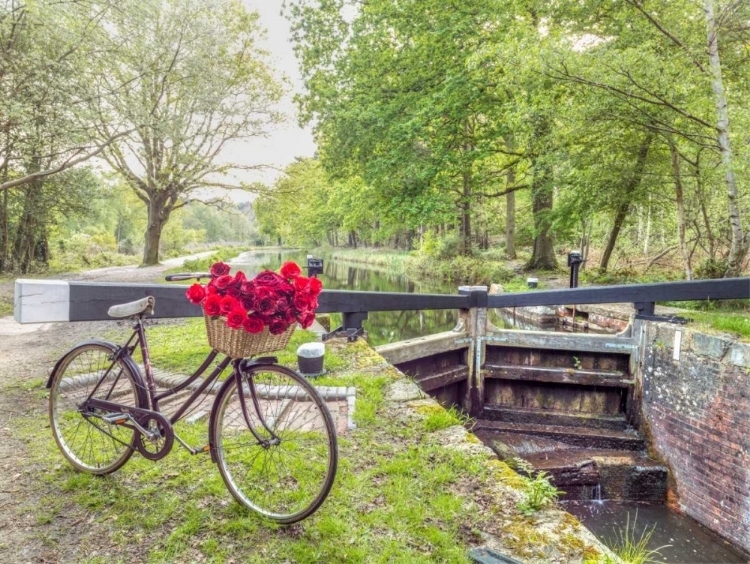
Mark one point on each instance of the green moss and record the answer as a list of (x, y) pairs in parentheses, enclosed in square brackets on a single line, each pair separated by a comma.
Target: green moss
[(506, 475)]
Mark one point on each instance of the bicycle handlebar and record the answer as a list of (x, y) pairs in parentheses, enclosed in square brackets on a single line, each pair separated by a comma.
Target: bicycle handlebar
[(187, 276)]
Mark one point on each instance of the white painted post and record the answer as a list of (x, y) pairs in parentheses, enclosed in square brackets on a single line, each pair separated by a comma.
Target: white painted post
[(41, 301)]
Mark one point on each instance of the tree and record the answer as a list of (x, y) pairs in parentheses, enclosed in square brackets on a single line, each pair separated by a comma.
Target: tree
[(198, 83)]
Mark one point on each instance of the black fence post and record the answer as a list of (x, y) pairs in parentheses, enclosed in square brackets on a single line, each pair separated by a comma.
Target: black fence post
[(574, 262)]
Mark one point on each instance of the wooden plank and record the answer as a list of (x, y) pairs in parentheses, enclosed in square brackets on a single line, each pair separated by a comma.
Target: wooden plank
[(444, 378), (564, 341), (344, 300), (728, 288), (557, 375), (421, 347), (89, 301)]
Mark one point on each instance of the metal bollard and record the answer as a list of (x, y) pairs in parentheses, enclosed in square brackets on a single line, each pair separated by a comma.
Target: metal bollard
[(314, 266), (574, 262)]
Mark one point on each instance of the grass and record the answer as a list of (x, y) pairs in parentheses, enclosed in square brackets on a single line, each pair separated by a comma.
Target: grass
[(632, 548), (397, 497)]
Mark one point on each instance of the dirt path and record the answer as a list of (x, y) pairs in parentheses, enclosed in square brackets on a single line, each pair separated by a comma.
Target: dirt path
[(27, 354)]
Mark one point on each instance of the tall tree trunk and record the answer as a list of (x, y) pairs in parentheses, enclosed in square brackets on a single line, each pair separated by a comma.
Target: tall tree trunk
[(510, 216), (703, 208), (542, 198), (620, 215), (622, 209), (543, 256), (740, 242), (466, 214), (157, 219), (4, 234), (647, 237), (680, 197)]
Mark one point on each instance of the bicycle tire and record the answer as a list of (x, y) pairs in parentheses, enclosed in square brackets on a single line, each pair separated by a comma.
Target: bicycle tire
[(294, 471), (86, 441)]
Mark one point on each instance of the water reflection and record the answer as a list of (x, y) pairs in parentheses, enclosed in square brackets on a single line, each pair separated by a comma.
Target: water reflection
[(382, 327)]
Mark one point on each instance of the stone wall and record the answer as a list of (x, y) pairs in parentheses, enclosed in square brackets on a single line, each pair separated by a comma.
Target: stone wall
[(696, 411)]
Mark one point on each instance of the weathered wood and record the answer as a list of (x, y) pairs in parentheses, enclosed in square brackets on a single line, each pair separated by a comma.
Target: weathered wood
[(557, 375), (728, 288), (564, 341), (421, 347), (444, 378)]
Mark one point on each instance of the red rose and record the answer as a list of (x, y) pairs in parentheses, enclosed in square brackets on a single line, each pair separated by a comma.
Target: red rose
[(286, 289), (236, 318), (222, 282), (314, 304), (290, 270), (277, 326), (282, 305), (265, 306), (233, 291), (269, 279), (219, 269), (195, 294), (238, 279), (253, 324), (306, 319), (212, 305), (316, 286), (263, 292), (290, 316), (247, 302), (302, 302), (302, 284), (228, 303), (247, 288), (211, 288)]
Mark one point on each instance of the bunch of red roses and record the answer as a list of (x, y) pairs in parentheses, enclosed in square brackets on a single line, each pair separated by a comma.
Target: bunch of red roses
[(270, 299)]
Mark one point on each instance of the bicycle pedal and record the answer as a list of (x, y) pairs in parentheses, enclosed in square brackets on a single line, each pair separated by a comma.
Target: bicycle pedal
[(116, 418)]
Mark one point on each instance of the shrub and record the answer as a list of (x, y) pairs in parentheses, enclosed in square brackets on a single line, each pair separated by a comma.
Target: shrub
[(539, 490)]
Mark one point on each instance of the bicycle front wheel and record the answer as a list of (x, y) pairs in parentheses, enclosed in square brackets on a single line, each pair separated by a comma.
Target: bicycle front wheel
[(86, 440), (285, 469)]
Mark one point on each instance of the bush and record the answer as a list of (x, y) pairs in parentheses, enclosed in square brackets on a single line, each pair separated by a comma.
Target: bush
[(711, 268)]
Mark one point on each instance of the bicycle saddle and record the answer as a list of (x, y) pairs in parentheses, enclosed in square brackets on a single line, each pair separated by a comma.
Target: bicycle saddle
[(130, 309)]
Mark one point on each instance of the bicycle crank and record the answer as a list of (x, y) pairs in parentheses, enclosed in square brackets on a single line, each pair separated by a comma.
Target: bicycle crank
[(158, 439), (154, 436)]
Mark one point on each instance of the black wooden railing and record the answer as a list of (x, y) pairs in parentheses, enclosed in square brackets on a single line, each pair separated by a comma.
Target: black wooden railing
[(90, 301)]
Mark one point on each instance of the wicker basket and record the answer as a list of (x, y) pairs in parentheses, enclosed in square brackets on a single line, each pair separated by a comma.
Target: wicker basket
[(238, 343)]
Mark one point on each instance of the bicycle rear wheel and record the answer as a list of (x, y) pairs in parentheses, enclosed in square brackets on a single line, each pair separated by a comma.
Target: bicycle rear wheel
[(287, 474), (86, 440)]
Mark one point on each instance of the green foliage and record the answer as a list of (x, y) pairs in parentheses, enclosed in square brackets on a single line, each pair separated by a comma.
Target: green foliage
[(539, 490), (632, 548)]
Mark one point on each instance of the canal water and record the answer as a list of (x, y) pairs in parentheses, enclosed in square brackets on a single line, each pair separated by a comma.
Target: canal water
[(678, 538)]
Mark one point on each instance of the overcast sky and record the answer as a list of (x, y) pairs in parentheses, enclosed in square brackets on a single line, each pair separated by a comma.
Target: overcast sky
[(288, 140)]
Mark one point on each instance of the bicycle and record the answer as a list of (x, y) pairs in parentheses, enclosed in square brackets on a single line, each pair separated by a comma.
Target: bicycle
[(269, 431)]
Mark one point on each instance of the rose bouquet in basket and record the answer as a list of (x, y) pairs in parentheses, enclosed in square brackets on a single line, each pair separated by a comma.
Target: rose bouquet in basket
[(270, 300)]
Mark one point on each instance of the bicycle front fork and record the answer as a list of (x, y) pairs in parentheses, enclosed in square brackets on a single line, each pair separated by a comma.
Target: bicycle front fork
[(239, 372)]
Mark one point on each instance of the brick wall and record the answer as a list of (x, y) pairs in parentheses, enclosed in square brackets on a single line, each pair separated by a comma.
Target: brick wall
[(697, 413)]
